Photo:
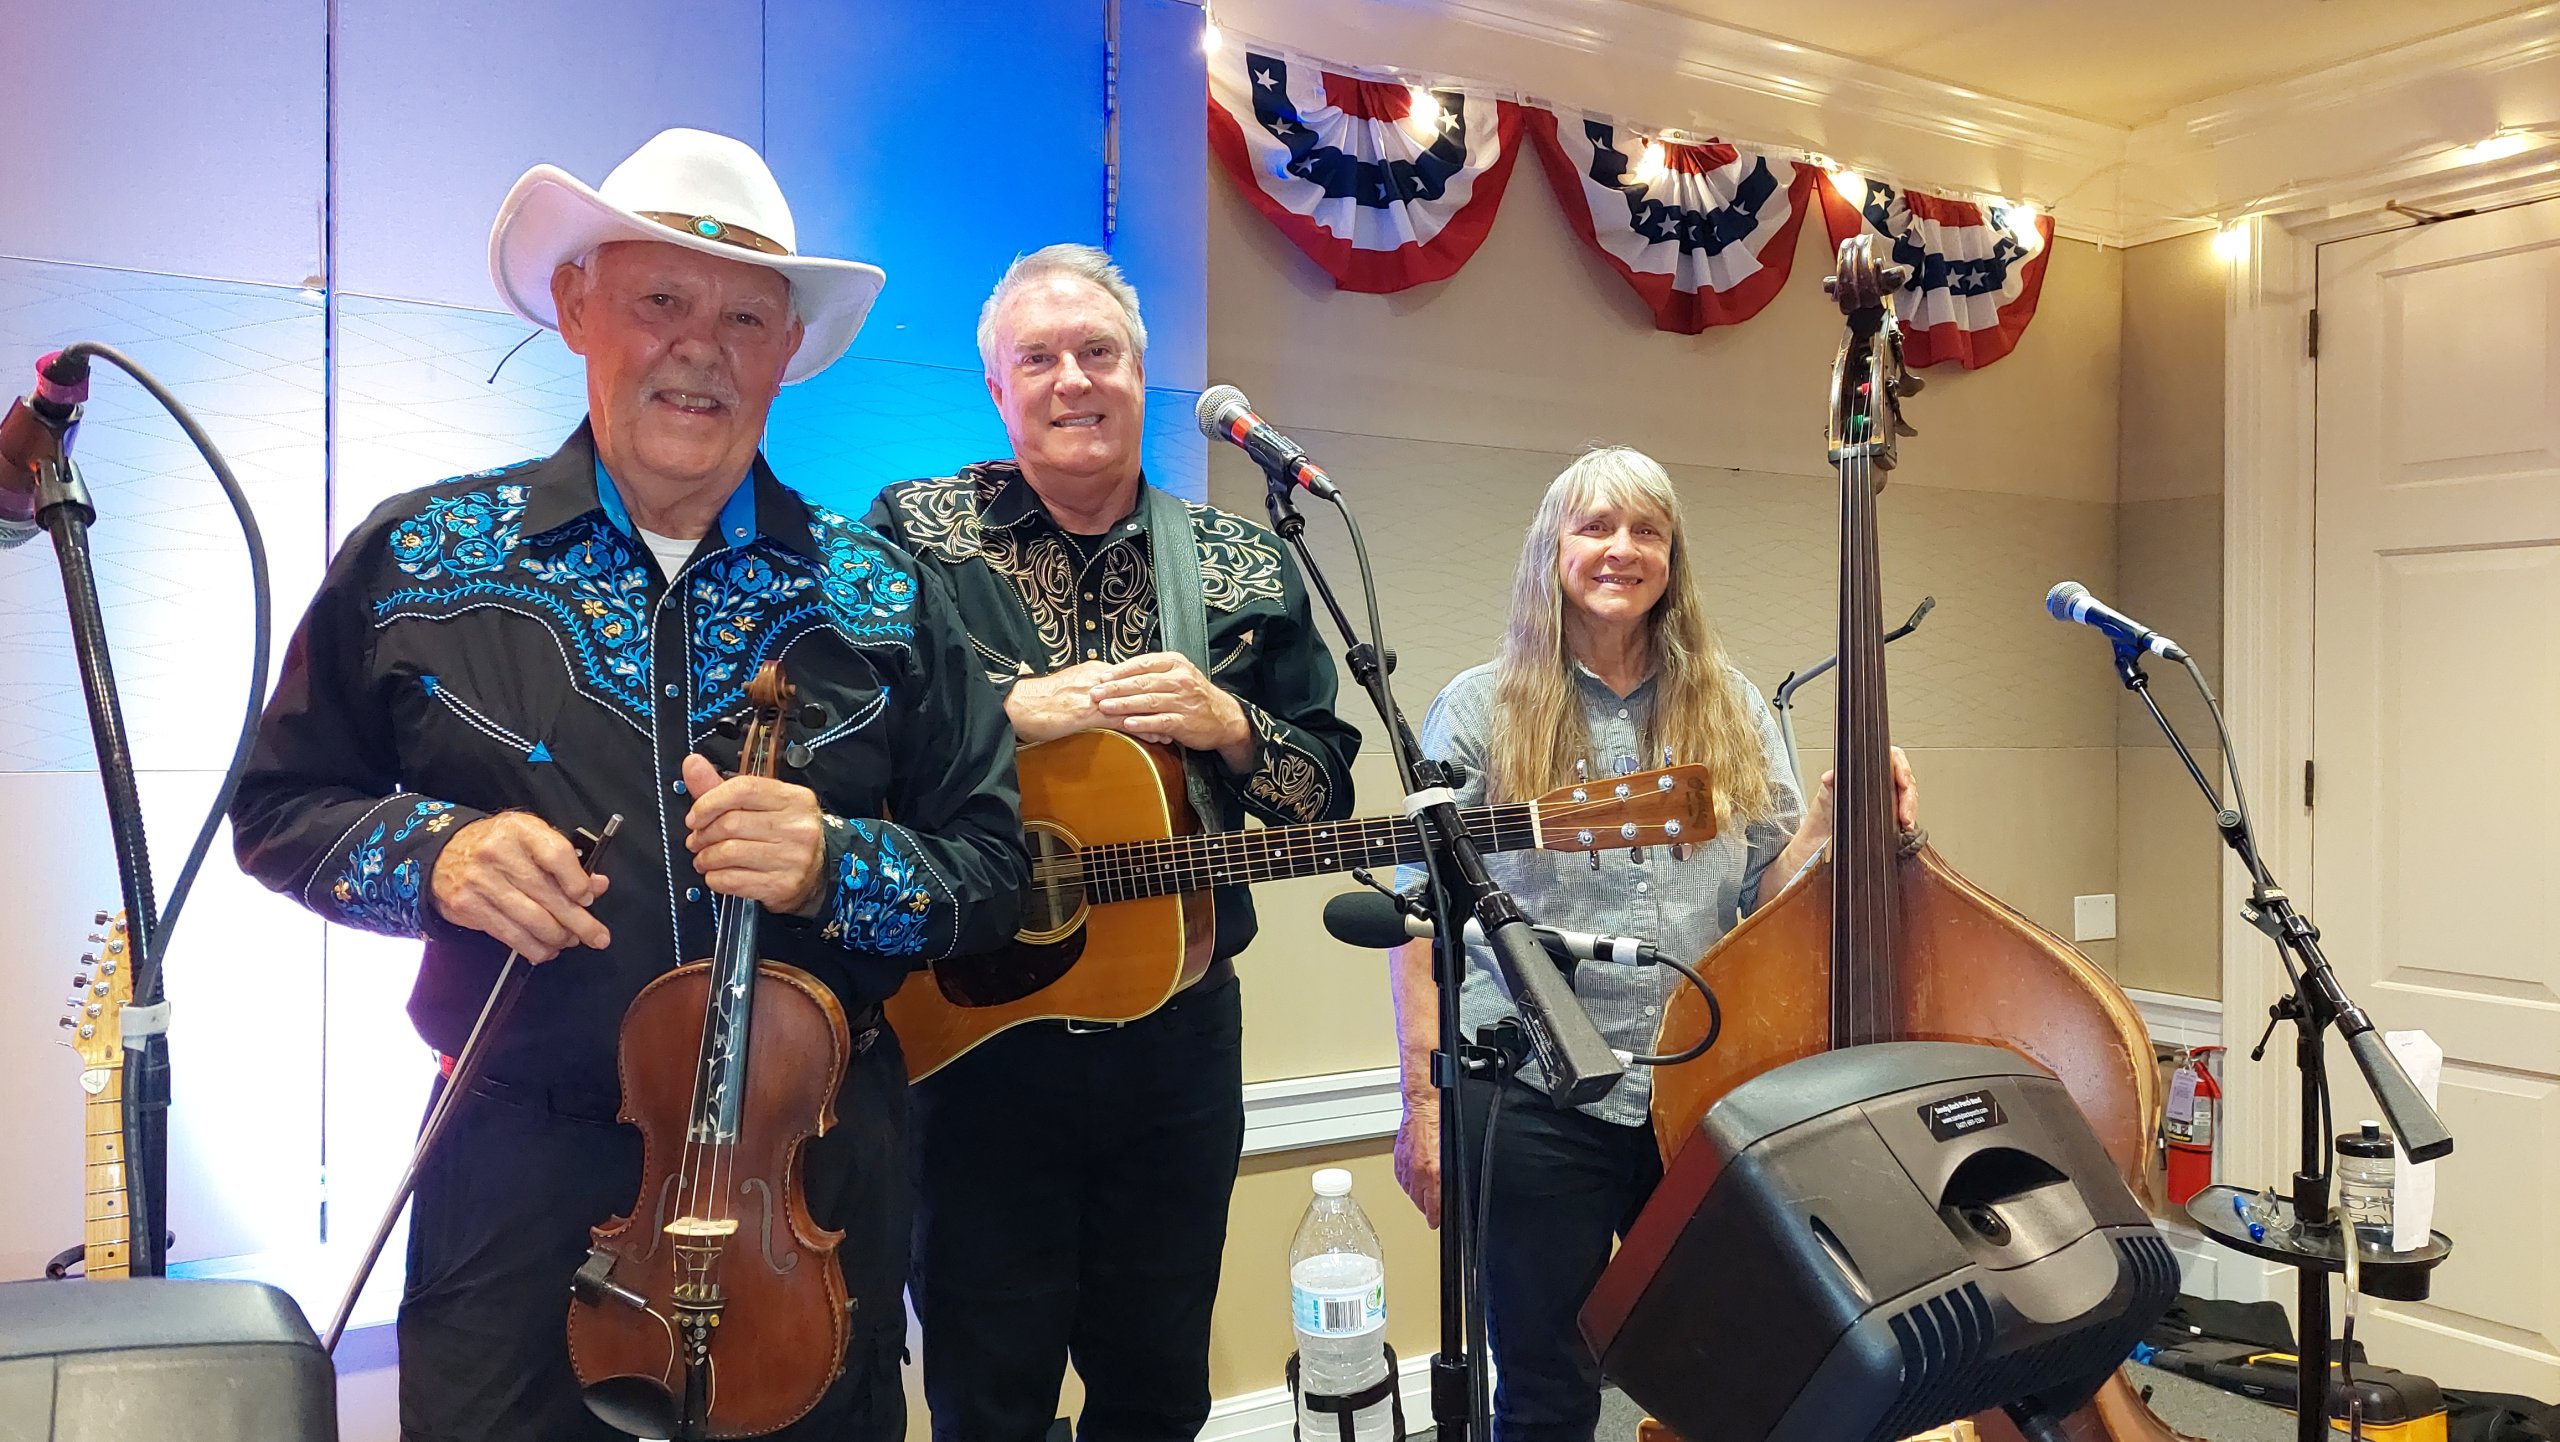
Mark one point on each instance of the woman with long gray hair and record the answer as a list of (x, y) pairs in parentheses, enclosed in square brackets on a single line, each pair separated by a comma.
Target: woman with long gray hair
[(1607, 660)]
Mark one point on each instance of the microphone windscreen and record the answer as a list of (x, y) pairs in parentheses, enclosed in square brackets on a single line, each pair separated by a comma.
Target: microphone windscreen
[(63, 381), (1216, 408), (1365, 919), (2057, 602)]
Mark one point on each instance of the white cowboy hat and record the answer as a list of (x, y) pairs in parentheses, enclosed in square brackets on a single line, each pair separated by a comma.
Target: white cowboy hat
[(691, 188)]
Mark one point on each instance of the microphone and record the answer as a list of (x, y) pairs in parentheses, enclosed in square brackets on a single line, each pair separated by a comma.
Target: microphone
[(1225, 415), (2071, 601), (37, 429), (1368, 920)]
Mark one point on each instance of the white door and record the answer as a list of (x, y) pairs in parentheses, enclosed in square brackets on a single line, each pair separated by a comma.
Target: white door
[(2436, 828)]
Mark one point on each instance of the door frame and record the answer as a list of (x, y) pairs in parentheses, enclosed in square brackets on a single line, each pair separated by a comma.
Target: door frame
[(2270, 391)]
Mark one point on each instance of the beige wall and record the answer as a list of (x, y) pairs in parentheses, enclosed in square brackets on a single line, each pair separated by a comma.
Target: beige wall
[(2169, 573)]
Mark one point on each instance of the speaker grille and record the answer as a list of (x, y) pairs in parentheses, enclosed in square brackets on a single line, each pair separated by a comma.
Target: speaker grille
[(1945, 1370)]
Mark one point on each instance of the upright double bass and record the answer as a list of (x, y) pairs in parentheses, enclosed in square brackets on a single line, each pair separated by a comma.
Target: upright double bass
[(716, 1308), (1880, 939)]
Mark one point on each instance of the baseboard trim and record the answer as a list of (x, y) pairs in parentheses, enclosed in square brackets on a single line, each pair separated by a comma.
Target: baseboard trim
[(1315, 1111)]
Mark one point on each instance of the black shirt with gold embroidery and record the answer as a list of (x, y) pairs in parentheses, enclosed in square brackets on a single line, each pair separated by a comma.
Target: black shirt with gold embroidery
[(1036, 598)]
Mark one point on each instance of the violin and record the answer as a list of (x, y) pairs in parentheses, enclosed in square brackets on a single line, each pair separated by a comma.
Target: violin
[(716, 1308)]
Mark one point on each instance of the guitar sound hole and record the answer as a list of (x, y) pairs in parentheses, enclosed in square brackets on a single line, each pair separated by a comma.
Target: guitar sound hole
[(1051, 937), (1054, 903)]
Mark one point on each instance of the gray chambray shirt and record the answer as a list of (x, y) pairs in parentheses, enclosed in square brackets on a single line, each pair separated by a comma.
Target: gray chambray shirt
[(1682, 907)]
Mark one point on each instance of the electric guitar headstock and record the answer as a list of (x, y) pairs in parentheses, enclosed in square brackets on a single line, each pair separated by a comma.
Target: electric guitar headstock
[(1674, 806), (101, 991)]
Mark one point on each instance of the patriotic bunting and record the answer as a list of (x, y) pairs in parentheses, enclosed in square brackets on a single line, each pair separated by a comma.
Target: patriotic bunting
[(1388, 186), (1974, 281), (1705, 233), (1382, 190)]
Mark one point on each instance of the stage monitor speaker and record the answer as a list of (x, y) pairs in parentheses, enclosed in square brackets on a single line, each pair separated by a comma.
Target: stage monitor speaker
[(1868, 1243), (153, 1357)]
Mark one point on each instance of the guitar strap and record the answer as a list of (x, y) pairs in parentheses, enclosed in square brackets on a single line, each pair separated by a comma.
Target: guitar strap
[(1182, 614)]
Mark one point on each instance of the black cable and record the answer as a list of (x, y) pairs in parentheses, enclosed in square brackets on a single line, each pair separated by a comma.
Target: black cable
[(262, 627), (1715, 1021), (2260, 876)]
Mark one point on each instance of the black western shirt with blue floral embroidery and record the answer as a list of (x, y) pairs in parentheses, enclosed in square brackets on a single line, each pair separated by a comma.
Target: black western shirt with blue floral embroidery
[(505, 642), (1037, 598)]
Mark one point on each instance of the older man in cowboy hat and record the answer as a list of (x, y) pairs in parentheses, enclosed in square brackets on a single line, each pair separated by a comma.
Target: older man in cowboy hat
[(497, 660)]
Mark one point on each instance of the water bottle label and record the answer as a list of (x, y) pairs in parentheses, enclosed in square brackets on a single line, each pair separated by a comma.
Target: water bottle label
[(1328, 1313)]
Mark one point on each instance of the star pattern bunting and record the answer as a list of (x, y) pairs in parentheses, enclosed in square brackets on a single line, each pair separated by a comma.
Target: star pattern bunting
[(1373, 194), (1385, 187), (1974, 280), (1706, 242)]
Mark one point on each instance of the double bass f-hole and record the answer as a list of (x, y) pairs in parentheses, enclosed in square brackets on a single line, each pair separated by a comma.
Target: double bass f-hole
[(694, 1316)]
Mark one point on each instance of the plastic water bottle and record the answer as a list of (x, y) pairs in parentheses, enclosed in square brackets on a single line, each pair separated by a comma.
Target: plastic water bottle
[(1338, 1307), (2364, 1185)]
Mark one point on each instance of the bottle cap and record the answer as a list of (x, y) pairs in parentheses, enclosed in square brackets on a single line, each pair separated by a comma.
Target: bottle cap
[(2368, 1141), (1333, 1182)]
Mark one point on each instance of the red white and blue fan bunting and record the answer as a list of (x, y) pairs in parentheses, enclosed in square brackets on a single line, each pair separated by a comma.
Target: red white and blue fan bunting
[(1974, 282), (1380, 196), (1705, 241)]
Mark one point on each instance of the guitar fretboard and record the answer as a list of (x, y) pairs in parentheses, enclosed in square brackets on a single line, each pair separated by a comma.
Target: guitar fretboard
[(1125, 871), (104, 1237)]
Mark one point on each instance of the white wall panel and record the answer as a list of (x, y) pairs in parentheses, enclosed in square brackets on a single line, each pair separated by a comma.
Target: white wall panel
[(441, 107), (166, 137)]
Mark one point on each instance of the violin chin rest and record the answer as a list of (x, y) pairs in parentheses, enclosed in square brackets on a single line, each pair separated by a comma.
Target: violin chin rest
[(641, 1406)]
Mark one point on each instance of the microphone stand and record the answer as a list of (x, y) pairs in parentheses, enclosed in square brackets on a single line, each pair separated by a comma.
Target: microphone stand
[(2316, 1245), (1578, 1063), (64, 509), (1783, 700)]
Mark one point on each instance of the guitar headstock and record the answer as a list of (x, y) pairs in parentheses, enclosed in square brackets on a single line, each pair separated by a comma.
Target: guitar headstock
[(104, 987), (1868, 381), (1674, 806)]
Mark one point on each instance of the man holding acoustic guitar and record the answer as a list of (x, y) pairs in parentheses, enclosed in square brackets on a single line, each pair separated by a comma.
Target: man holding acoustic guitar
[(1074, 1174)]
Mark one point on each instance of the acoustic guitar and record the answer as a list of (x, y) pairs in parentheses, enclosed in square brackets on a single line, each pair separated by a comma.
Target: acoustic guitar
[(1121, 870), (96, 1026)]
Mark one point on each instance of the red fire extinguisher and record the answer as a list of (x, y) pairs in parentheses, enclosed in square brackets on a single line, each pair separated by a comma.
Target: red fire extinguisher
[(2186, 1124)]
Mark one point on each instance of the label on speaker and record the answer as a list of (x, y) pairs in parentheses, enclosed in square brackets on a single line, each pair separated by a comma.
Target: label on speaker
[(1956, 1116)]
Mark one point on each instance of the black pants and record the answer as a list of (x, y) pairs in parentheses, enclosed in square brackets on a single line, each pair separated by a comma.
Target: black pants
[(501, 1222), (1564, 1185), (1073, 1202)]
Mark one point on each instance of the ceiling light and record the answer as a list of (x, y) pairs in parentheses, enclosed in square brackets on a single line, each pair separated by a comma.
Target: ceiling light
[(1422, 113), (2020, 220), (1651, 166), (2496, 147), (1851, 185), (2232, 242)]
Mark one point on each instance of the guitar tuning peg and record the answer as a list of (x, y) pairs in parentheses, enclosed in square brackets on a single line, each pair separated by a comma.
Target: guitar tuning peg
[(88, 958), (67, 1023), (1581, 772), (1595, 860), (1636, 855), (98, 920), (80, 983), (1679, 851), (1666, 758)]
